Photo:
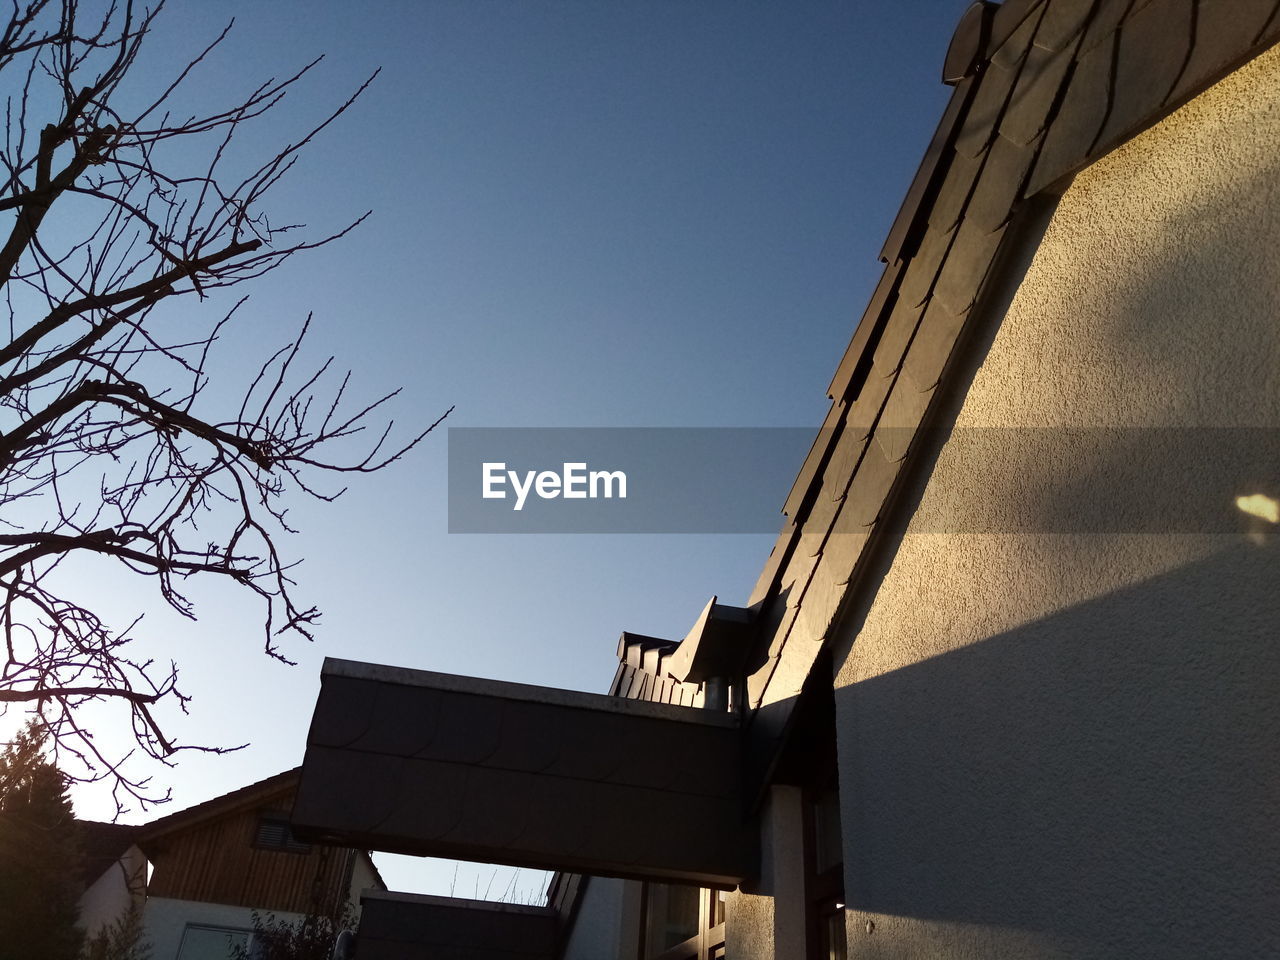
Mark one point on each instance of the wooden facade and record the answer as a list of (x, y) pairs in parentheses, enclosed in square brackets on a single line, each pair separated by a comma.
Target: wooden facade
[(217, 857)]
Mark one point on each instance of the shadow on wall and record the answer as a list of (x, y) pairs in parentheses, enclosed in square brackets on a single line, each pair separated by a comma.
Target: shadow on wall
[(1127, 745), (1070, 746)]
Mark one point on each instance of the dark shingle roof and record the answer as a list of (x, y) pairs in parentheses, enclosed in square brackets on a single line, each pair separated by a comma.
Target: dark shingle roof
[(278, 789), (642, 673), (1042, 89)]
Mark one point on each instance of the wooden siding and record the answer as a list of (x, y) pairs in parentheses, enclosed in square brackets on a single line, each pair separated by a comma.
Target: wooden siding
[(216, 862)]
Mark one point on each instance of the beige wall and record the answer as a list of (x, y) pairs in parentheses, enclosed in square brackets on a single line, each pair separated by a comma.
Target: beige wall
[(767, 920), (1065, 744), (363, 877), (109, 897)]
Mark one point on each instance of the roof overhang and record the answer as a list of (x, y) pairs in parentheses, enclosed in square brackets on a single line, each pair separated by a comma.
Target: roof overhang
[(716, 646), (409, 761), (274, 791)]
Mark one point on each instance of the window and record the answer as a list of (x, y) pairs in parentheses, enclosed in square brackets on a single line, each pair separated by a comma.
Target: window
[(670, 916), (808, 761), (211, 943), (824, 858), (682, 922), (274, 833)]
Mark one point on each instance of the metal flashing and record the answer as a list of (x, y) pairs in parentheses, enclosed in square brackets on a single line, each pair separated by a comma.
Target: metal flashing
[(461, 903), (903, 235), (715, 646), (478, 686), (847, 380), (969, 43)]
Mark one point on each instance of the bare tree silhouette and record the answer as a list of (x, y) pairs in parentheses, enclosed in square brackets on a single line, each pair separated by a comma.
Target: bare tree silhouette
[(110, 445)]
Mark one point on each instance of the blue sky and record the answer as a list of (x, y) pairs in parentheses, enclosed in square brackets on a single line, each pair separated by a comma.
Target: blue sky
[(584, 214)]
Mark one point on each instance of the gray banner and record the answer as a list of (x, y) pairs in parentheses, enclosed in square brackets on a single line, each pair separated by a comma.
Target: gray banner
[(621, 480), (735, 480)]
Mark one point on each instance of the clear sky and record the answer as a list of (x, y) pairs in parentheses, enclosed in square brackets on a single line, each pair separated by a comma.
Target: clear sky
[(605, 213)]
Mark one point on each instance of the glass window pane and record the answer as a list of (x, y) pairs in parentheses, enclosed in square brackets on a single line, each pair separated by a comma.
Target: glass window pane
[(833, 939), (717, 907), (671, 916), (211, 943)]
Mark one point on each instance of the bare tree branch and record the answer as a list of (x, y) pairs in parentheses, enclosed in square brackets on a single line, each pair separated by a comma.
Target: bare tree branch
[(112, 448)]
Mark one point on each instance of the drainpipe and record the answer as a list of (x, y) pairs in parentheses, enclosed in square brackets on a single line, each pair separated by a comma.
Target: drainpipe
[(715, 694)]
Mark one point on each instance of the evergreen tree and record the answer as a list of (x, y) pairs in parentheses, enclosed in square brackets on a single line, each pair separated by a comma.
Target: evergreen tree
[(39, 856), (122, 940)]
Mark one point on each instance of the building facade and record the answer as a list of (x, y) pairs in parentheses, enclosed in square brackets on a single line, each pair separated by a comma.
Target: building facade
[(200, 875), (1007, 684)]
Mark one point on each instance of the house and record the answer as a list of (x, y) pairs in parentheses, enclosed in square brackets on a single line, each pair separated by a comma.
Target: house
[(201, 873), (1007, 685), (113, 873)]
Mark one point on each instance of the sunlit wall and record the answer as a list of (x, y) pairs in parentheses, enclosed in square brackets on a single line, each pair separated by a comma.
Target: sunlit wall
[(1059, 740)]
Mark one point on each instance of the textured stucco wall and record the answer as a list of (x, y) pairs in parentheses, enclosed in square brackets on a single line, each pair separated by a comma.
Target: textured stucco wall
[(363, 878), (766, 920), (1065, 744), (749, 926)]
